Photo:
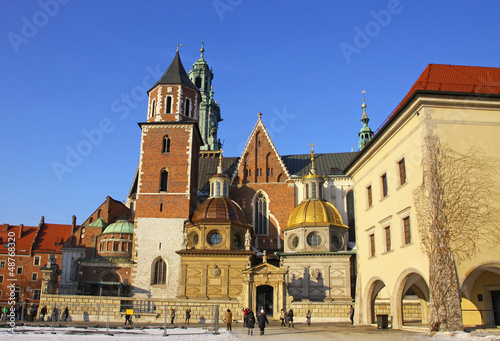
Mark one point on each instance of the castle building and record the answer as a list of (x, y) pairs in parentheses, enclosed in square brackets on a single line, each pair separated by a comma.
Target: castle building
[(461, 106)]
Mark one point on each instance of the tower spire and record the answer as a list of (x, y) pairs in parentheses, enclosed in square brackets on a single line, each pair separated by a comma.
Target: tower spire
[(365, 134)]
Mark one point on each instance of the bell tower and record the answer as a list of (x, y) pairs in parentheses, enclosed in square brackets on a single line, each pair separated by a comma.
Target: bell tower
[(167, 182), (201, 75)]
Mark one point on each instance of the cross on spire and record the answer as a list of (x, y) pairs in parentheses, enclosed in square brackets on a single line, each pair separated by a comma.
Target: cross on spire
[(260, 115)]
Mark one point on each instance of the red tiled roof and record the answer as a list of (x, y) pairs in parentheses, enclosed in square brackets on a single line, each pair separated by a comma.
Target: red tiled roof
[(50, 235), (23, 244), (454, 78)]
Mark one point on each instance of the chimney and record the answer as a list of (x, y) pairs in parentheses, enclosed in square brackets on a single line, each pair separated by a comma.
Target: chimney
[(73, 224), (20, 233)]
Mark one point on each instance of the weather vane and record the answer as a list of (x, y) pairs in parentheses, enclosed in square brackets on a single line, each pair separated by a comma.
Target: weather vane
[(178, 45)]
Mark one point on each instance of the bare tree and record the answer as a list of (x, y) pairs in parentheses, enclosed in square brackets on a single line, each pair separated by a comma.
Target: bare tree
[(456, 216)]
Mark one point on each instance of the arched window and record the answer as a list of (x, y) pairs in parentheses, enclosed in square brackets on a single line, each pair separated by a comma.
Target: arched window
[(153, 108), (217, 187), (115, 246), (160, 272), (212, 191), (163, 180), (188, 106), (224, 186), (168, 105), (165, 148), (197, 82), (261, 222), (313, 190), (307, 191)]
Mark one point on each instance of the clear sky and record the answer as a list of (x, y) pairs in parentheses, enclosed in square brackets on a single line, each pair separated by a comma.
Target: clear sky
[(74, 76)]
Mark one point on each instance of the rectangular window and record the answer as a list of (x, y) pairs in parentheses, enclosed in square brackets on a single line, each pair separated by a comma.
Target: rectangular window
[(19, 270), (1, 279), (36, 261), (402, 172), (369, 195), (2, 264), (36, 294), (372, 245), (387, 231), (383, 179), (407, 231), (34, 277)]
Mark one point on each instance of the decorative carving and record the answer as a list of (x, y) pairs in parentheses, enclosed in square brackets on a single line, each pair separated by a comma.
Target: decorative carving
[(215, 271), (315, 273)]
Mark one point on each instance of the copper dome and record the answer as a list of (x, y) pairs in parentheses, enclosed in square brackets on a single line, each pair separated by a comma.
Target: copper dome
[(219, 210)]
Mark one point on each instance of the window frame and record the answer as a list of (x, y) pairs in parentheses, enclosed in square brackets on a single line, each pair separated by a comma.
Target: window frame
[(157, 272), (403, 179), (19, 272), (168, 104), (407, 240), (369, 196), (34, 276), (371, 242), (387, 236), (261, 214), (384, 186), (35, 259)]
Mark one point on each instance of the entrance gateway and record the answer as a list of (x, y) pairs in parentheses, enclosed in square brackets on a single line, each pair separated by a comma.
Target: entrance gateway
[(265, 299)]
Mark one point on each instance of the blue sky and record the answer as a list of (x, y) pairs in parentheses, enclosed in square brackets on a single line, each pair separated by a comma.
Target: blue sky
[(74, 76)]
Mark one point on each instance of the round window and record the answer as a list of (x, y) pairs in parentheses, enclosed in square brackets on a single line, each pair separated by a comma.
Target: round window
[(215, 238), (294, 241), (314, 239), (337, 241), (195, 239)]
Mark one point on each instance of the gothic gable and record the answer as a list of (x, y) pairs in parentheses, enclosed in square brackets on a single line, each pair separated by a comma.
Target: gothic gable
[(260, 161)]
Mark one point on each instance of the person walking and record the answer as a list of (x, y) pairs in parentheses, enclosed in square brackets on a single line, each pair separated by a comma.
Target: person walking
[(229, 319), (34, 309), (282, 317), (308, 317), (290, 318), (43, 312), (262, 319), (65, 314), (172, 315), (128, 318), (188, 315), (351, 315), (249, 321)]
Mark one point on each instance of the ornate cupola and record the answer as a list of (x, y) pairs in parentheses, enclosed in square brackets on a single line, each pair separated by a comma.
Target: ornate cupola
[(209, 112), (219, 183), (313, 182), (365, 134), (174, 97), (315, 225)]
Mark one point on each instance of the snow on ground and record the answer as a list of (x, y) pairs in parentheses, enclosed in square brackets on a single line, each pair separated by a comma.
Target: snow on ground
[(97, 334)]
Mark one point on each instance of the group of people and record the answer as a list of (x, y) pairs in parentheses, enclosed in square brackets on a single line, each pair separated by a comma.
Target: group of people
[(249, 320), (31, 310), (287, 317)]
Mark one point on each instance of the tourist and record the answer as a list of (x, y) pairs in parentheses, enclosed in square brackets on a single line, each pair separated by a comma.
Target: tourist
[(65, 314), (128, 318), (188, 315), (249, 321), (282, 317), (308, 317), (351, 315), (290, 318), (262, 319), (172, 315), (43, 312), (229, 319), (34, 310)]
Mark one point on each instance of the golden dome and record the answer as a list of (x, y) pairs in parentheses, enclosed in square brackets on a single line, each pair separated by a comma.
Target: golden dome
[(315, 212), (219, 210)]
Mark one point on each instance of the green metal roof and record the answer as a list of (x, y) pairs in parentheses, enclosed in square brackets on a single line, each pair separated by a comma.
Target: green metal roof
[(121, 226), (98, 223)]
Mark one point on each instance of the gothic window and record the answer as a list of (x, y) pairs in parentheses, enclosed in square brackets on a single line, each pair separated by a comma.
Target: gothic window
[(160, 272), (153, 108), (168, 106), (165, 148), (163, 180), (188, 105), (261, 222)]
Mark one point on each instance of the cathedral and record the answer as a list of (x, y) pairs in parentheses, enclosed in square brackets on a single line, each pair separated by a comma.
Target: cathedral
[(261, 229), (268, 231)]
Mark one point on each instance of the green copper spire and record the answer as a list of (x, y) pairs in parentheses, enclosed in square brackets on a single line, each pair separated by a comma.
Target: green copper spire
[(201, 75), (365, 134)]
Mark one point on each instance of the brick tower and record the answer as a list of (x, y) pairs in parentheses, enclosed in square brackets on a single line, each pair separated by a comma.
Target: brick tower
[(167, 182)]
